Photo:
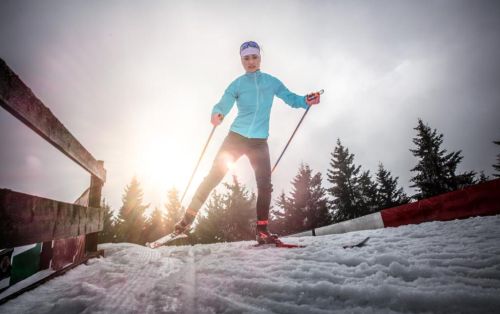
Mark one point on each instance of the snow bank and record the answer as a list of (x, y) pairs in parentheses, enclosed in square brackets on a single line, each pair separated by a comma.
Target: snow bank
[(438, 267), (481, 199)]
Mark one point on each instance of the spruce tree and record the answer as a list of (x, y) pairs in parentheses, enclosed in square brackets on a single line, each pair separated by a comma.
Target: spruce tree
[(173, 210), (388, 193), (210, 222), (107, 234), (307, 206), (155, 226), (131, 220), (435, 170), (241, 208), (277, 220), (344, 176), (497, 166), (317, 207), (366, 194), (482, 177), (229, 216)]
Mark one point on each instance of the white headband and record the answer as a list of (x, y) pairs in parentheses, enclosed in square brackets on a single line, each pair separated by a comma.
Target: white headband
[(250, 51)]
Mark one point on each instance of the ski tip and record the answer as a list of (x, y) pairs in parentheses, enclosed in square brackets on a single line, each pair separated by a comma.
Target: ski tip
[(358, 244)]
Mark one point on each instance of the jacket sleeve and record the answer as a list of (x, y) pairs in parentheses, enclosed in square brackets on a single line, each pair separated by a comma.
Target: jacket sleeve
[(293, 100), (227, 101)]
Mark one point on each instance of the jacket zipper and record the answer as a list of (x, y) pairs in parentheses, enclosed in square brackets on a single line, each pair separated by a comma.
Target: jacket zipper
[(257, 104)]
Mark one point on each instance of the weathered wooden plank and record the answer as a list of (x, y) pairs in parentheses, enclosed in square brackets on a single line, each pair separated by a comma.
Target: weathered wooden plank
[(95, 191), (21, 102), (83, 200), (27, 219)]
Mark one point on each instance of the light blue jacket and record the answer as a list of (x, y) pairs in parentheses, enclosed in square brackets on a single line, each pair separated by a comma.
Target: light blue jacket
[(254, 93)]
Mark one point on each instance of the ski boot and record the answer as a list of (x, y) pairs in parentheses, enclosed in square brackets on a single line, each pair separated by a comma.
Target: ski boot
[(185, 224), (263, 236), (181, 227)]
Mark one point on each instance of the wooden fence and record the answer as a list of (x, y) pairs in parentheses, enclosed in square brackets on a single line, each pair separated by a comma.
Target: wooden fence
[(41, 238)]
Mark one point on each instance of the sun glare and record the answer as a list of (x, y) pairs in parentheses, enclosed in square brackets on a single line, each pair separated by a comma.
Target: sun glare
[(159, 168), (162, 162), (231, 165), (154, 163)]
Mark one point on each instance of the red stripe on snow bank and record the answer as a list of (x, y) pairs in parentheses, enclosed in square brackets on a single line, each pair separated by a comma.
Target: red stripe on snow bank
[(478, 200)]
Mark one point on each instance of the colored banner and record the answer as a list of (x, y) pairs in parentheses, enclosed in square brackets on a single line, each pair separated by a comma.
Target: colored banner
[(25, 262), (478, 200)]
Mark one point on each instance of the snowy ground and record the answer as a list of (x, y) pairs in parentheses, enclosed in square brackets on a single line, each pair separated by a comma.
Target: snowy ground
[(438, 267)]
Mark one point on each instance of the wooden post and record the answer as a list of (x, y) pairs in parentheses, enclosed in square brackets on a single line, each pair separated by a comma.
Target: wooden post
[(94, 201)]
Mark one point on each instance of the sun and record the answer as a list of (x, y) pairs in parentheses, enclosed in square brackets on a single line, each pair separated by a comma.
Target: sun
[(163, 160), (154, 164), (160, 167), (231, 166)]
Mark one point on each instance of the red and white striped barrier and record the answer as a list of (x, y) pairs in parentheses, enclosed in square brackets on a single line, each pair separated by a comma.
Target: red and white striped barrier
[(478, 200)]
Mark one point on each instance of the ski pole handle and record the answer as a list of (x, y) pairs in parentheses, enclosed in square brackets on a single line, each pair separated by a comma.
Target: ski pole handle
[(217, 119), (311, 96)]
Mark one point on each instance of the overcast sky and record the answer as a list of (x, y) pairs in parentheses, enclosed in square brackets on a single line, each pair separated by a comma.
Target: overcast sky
[(135, 82)]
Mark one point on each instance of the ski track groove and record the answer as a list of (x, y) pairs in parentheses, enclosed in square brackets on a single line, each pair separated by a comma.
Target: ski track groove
[(190, 283), (124, 296), (238, 307)]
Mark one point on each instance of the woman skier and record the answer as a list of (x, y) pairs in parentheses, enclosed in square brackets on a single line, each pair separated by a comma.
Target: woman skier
[(253, 93)]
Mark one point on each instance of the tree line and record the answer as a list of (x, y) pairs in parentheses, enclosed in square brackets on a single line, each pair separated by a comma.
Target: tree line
[(229, 214)]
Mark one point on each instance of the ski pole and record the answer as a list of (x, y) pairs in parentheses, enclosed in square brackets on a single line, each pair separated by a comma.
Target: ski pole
[(296, 128), (198, 163)]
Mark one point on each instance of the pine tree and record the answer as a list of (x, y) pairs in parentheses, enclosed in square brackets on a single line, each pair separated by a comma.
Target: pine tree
[(277, 221), (131, 220), (367, 197), (173, 210), (241, 210), (388, 193), (435, 171), (209, 224), (230, 216), (497, 166), (345, 177), (155, 226), (107, 234), (307, 206), (482, 177)]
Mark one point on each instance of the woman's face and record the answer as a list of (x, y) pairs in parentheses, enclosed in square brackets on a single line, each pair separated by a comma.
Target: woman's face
[(251, 63)]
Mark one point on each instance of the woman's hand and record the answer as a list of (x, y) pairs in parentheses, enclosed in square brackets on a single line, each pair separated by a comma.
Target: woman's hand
[(216, 119), (313, 98)]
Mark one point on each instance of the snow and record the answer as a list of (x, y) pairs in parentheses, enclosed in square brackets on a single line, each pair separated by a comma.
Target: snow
[(437, 267)]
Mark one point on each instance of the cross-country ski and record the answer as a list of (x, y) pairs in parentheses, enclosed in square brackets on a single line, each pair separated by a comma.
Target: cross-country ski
[(165, 240), (356, 244)]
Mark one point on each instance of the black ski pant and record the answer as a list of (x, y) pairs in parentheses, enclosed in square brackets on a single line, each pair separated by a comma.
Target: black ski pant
[(233, 147)]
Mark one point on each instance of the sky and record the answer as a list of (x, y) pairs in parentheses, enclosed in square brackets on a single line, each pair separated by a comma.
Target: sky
[(135, 83)]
